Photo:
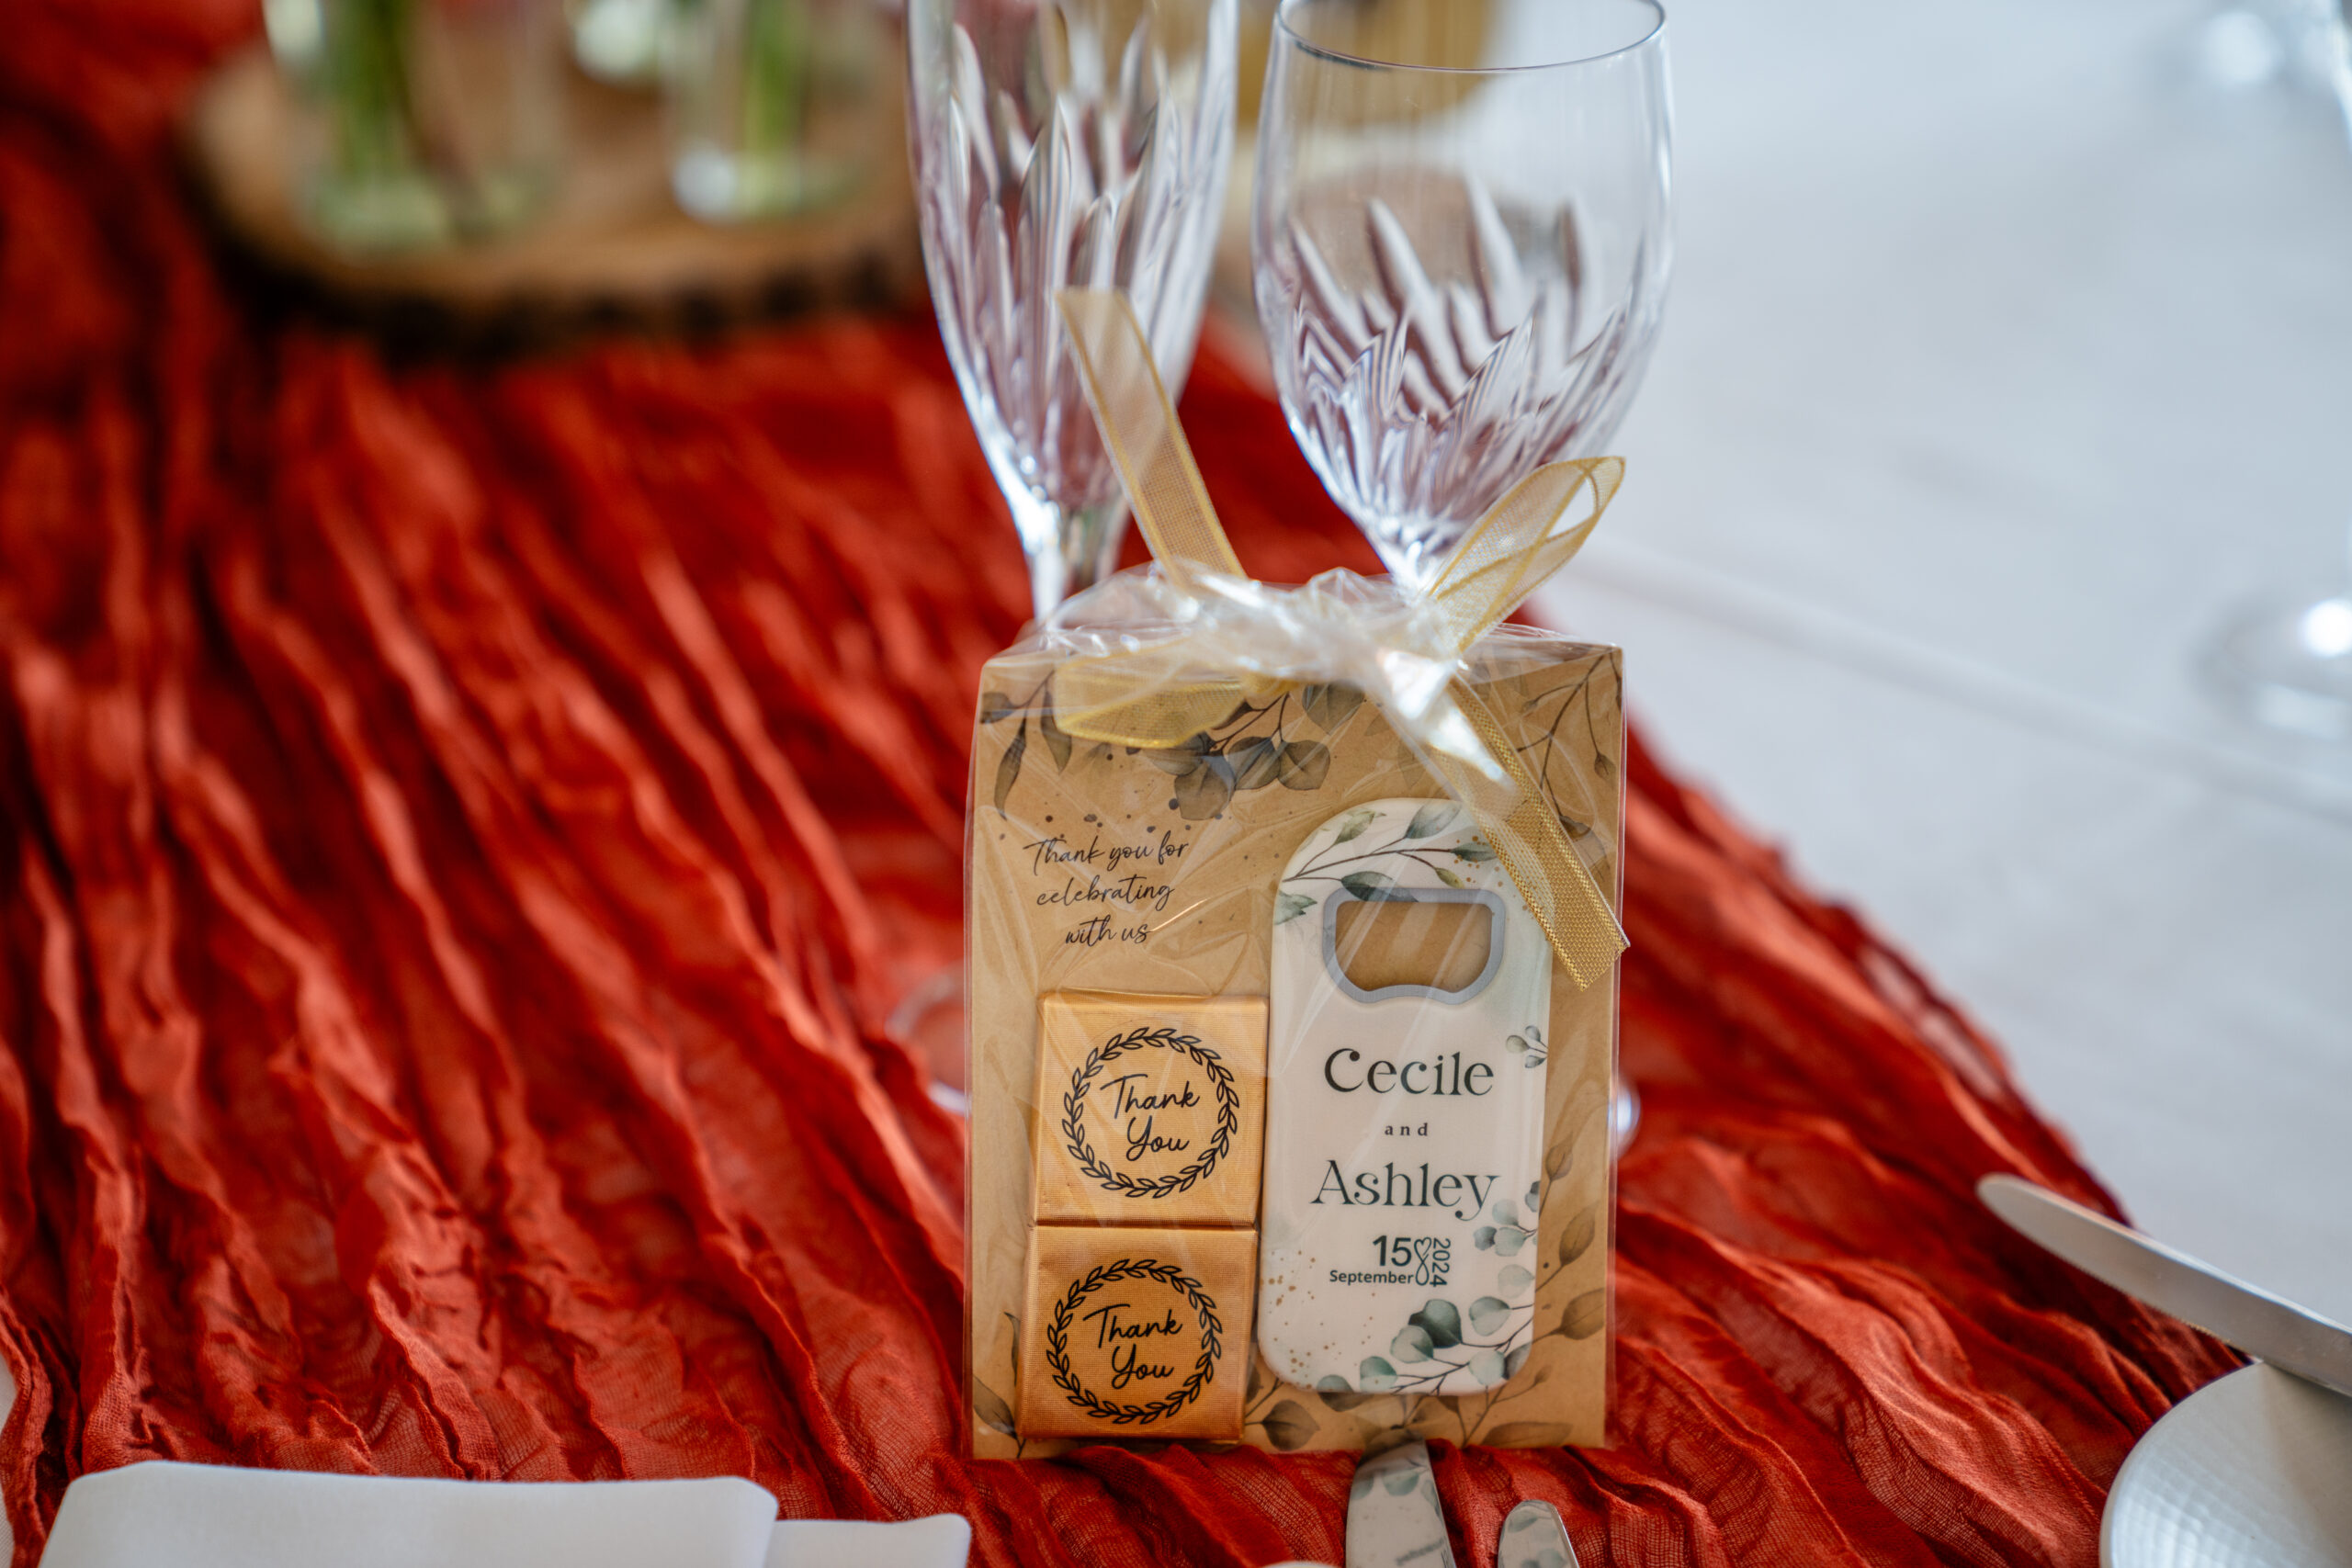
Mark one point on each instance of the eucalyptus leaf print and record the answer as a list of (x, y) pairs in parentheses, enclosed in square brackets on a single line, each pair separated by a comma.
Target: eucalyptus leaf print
[(1375, 887), (1503, 1238), (1439, 1340), (1442, 1322), (1289, 1426), (1576, 1236), (1330, 707), (1181, 760), (1257, 762), (1338, 1396), (1585, 1316), (1575, 744), (992, 1409), (1253, 749), (1057, 740), (1433, 820), (1304, 764), (1202, 793), (1008, 767)]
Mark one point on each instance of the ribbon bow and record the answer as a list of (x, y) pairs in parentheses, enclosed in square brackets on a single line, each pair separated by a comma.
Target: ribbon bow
[(1210, 637)]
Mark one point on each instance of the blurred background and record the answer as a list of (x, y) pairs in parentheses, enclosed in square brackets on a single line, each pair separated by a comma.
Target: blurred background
[(2009, 363), (1997, 450)]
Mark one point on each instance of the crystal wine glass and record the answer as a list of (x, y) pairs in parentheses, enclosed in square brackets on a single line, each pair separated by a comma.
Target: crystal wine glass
[(1460, 245), (1065, 143)]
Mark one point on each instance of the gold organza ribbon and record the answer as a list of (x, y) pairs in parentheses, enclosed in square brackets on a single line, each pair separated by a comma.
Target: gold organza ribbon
[(1230, 639)]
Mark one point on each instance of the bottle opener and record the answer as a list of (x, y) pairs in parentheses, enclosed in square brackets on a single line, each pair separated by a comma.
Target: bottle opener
[(1404, 1110)]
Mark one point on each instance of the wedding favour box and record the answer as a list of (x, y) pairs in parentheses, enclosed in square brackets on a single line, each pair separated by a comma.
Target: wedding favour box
[(1291, 952), (1288, 1128)]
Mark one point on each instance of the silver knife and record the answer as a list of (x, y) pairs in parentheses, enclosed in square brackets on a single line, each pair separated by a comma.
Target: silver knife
[(1394, 1517), (1533, 1537), (2255, 1321)]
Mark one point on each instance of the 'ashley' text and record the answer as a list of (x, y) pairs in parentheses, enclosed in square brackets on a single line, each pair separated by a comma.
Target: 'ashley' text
[(1391, 1188)]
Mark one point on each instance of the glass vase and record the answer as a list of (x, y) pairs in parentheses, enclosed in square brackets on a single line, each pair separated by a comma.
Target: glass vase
[(773, 104), (427, 122)]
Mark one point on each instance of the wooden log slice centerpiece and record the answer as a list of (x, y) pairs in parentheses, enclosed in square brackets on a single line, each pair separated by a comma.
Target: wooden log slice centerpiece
[(610, 248)]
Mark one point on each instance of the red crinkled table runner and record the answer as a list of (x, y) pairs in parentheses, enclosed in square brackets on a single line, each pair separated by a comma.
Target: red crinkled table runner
[(462, 832)]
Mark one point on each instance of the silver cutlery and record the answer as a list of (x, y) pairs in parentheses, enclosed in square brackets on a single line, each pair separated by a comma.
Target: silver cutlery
[(1394, 1517), (2237, 1314), (1533, 1537)]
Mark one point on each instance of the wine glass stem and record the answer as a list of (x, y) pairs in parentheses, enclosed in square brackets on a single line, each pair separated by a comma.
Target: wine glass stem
[(1070, 549)]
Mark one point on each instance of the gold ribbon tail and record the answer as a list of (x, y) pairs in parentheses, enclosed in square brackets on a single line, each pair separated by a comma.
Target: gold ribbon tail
[(1151, 696), (1528, 838), (1137, 419)]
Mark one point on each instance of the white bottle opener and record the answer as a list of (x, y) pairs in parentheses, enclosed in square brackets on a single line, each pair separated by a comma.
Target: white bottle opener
[(1404, 1125)]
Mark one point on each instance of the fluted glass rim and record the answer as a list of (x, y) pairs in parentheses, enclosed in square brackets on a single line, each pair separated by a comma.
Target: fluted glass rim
[(1294, 38)]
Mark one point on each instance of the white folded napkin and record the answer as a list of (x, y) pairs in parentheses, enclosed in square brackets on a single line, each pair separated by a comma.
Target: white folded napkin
[(162, 1514), (942, 1540)]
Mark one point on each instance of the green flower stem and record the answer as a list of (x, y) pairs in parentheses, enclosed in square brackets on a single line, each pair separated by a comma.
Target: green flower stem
[(777, 39), (367, 79)]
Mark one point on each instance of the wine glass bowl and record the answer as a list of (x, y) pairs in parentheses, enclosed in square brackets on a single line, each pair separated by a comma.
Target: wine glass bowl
[(1460, 245), (1079, 143)]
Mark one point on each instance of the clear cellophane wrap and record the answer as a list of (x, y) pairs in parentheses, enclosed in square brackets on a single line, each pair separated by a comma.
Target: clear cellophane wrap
[(1094, 866)]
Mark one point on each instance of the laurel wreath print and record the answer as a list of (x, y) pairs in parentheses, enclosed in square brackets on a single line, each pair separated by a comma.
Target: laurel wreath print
[(1113, 1411), (1229, 1112)]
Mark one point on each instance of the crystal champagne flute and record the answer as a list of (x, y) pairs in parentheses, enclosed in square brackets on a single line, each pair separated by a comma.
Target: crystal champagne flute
[(1460, 245), (1065, 143)]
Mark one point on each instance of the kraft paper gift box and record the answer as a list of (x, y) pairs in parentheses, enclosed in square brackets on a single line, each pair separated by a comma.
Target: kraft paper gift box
[(1149, 887)]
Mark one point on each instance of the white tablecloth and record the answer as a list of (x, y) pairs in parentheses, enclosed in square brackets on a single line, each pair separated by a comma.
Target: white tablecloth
[(2003, 357)]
